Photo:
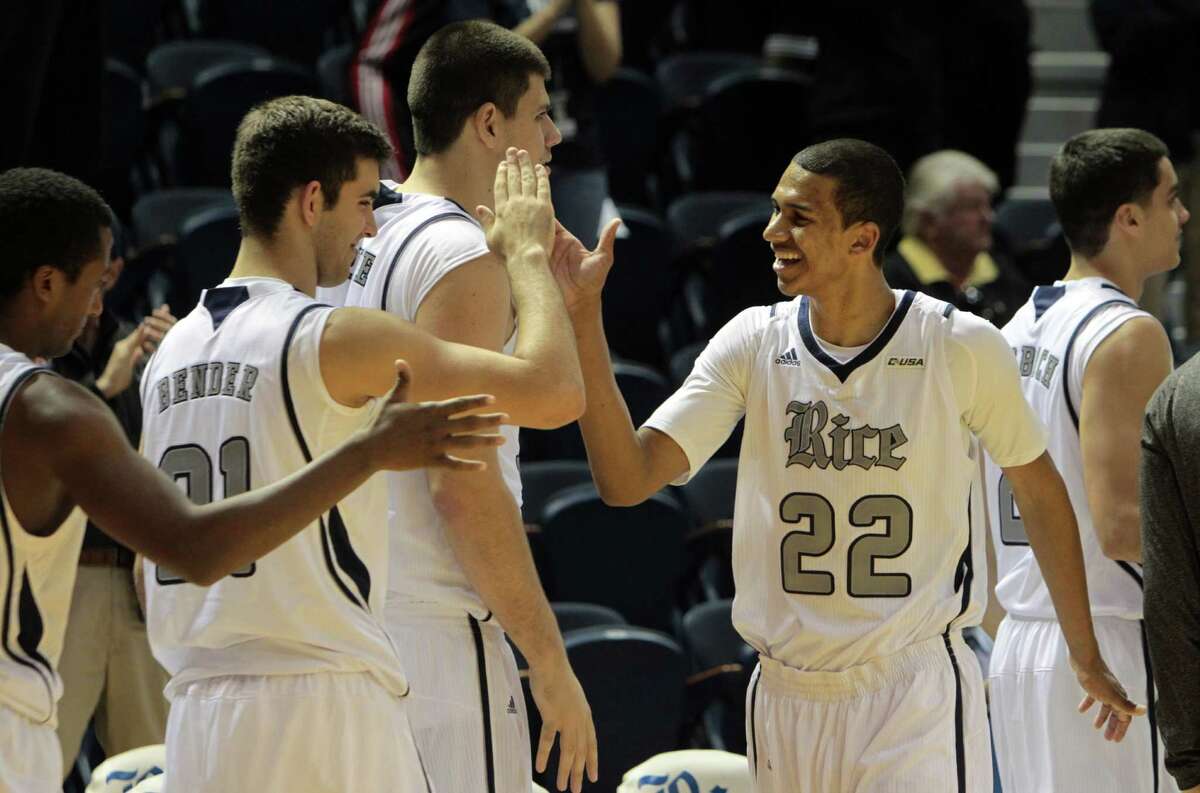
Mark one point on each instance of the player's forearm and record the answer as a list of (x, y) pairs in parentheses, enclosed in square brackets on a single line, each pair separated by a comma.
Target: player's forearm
[(537, 26), (544, 336), (614, 449), (599, 38), (484, 528), (1054, 537)]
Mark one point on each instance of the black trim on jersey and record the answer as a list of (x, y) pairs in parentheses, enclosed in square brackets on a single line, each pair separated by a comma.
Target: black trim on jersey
[(1066, 364), (1134, 574), (966, 566), (221, 300), (347, 559), (1150, 715), (753, 726), (959, 748), (843, 370), (387, 281), (345, 552), (484, 703), (947, 311), (27, 607), (1044, 297), (1115, 288), (387, 196)]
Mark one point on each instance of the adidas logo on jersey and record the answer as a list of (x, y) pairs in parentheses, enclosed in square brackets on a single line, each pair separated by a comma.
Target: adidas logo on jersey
[(901, 362), (512, 705), (789, 358)]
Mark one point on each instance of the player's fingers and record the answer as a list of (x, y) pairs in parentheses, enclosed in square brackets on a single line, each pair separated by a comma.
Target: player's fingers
[(500, 188), (474, 423), (565, 762), (453, 463), (542, 175), (403, 380), (528, 178), (593, 759), (463, 404), (545, 744), (461, 443), (608, 237), (485, 217), (1086, 703), (581, 758), (1102, 716), (513, 173)]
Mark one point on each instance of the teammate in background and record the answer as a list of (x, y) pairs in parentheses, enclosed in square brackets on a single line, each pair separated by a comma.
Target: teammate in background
[(858, 548), (476, 89), (297, 637), (1089, 361), (63, 454)]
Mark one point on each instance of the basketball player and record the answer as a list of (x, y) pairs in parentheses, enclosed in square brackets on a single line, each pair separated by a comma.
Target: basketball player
[(62, 454), (297, 637), (858, 546), (476, 89), (1089, 361)]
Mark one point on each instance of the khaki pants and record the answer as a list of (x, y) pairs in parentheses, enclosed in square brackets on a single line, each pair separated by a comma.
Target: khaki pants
[(107, 668)]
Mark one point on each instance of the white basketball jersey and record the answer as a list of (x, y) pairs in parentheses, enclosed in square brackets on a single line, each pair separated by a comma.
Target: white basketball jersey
[(234, 400), (37, 576), (1053, 337), (858, 518), (421, 239)]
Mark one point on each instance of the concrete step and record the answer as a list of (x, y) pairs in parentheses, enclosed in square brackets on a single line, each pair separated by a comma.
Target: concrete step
[(1053, 119), (1033, 163), (1059, 73), (1062, 25)]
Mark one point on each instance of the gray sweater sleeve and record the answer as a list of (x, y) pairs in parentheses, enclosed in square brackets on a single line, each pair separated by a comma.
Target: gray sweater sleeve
[(1170, 509)]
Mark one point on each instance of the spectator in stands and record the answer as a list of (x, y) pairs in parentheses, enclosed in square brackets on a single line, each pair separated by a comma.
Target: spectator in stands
[(582, 41), (947, 228), (106, 665), (1152, 46)]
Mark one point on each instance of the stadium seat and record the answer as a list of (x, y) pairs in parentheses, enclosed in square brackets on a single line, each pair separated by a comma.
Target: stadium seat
[(696, 218), (740, 275), (171, 68), (299, 30), (702, 770), (207, 247), (158, 216), (709, 495), (124, 130), (573, 617), (628, 107), (627, 558), (634, 682), (639, 287), (1023, 222), (705, 154), (542, 479), (218, 99), (333, 71), (722, 664), (121, 772), (685, 77)]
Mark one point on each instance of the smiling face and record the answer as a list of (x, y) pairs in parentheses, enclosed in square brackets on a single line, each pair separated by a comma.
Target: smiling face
[(342, 226), (811, 247)]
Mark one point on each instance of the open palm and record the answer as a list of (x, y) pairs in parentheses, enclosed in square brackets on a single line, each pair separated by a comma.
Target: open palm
[(581, 273)]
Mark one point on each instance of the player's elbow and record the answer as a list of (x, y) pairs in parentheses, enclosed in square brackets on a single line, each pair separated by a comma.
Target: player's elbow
[(563, 403), (618, 494), (1119, 540)]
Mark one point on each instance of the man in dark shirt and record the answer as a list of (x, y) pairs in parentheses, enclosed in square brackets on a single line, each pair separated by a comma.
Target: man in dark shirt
[(945, 251), (106, 665), (1170, 508)]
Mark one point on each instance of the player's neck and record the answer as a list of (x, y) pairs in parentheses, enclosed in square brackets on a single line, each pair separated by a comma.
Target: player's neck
[(19, 332), (277, 259), (1127, 279), (454, 177), (854, 314)]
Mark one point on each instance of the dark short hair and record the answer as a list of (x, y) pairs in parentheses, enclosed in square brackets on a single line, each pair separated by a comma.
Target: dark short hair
[(870, 186), (47, 218), (1094, 173), (461, 68), (285, 143)]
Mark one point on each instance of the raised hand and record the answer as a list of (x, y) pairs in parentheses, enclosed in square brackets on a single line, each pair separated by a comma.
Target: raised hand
[(524, 215), (1116, 709), (581, 273), (426, 435), (565, 713), (132, 350)]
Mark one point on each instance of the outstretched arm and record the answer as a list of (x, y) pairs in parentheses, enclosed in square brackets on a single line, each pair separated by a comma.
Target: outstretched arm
[(70, 433)]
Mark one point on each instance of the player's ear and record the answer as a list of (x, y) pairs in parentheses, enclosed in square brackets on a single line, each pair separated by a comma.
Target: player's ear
[(864, 237), (45, 282), (311, 202), (484, 122)]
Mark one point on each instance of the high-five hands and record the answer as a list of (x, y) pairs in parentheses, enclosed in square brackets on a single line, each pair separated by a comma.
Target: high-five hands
[(427, 434), (524, 215), (581, 273)]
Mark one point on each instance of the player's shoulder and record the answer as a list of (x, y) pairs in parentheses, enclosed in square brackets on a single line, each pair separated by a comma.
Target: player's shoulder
[(52, 408), (406, 214)]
